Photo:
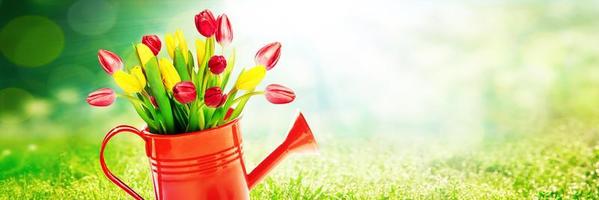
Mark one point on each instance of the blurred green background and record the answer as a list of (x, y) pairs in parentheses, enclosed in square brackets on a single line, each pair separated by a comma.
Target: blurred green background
[(408, 99)]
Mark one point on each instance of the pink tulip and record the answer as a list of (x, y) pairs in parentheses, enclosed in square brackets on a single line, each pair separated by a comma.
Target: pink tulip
[(110, 61), (278, 94), (205, 23), (185, 92), (153, 42), (101, 97), (269, 55), (214, 97), (224, 34), (217, 64)]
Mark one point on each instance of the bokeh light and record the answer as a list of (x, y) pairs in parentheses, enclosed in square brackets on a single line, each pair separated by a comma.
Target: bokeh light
[(68, 96), (31, 41), (6, 152), (32, 147), (38, 108), (92, 17)]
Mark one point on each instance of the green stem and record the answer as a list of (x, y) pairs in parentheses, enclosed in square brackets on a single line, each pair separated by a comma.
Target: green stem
[(201, 118), (136, 104), (240, 106), (247, 95), (159, 93), (129, 97), (229, 69)]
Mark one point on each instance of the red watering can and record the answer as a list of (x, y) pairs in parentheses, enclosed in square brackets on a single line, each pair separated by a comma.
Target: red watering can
[(206, 164)]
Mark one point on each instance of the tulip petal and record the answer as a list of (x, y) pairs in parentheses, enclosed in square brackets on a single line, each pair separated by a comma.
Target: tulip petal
[(101, 98), (224, 34), (182, 44), (129, 83), (169, 74), (185, 92), (139, 74), (170, 44), (214, 97), (205, 23), (217, 64), (200, 51), (110, 61), (144, 53), (249, 79), (153, 42), (278, 94), (269, 55)]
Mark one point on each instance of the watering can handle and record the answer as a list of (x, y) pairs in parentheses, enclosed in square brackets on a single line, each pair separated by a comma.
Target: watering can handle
[(112, 177)]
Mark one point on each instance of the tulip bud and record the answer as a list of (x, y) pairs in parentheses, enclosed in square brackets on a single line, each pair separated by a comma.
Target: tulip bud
[(182, 44), (110, 61), (129, 83), (200, 50), (224, 34), (217, 64), (170, 77), (153, 42), (269, 55), (101, 97), (144, 53), (249, 79), (214, 97), (169, 39), (278, 94), (139, 74), (185, 92), (205, 23)]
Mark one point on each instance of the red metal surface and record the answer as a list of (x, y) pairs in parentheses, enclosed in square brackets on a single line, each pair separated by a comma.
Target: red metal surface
[(206, 164)]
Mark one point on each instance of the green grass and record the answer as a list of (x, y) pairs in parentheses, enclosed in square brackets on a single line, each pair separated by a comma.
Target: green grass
[(558, 162)]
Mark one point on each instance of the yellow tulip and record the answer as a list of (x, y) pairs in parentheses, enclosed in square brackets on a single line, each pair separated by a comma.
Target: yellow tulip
[(129, 83), (200, 50), (139, 74), (170, 77), (170, 44), (144, 53), (248, 80), (182, 44)]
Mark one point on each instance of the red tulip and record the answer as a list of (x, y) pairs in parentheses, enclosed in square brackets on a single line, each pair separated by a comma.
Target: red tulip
[(184, 92), (278, 94), (214, 97), (110, 61), (205, 23), (217, 64), (101, 97), (269, 55), (224, 34), (153, 42)]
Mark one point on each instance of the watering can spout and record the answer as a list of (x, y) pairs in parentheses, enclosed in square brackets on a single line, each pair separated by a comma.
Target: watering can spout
[(299, 139)]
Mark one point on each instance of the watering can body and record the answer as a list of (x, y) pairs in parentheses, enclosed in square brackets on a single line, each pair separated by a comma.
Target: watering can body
[(206, 164)]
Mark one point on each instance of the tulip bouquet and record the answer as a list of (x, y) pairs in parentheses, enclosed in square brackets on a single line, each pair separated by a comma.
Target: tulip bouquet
[(180, 94)]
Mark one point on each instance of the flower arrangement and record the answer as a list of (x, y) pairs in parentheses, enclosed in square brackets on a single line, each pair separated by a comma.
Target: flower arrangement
[(180, 94)]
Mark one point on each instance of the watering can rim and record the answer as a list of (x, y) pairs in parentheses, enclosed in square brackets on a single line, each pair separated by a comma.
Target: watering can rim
[(147, 133)]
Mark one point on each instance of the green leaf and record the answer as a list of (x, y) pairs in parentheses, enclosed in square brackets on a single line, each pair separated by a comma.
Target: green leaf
[(181, 66), (159, 93)]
